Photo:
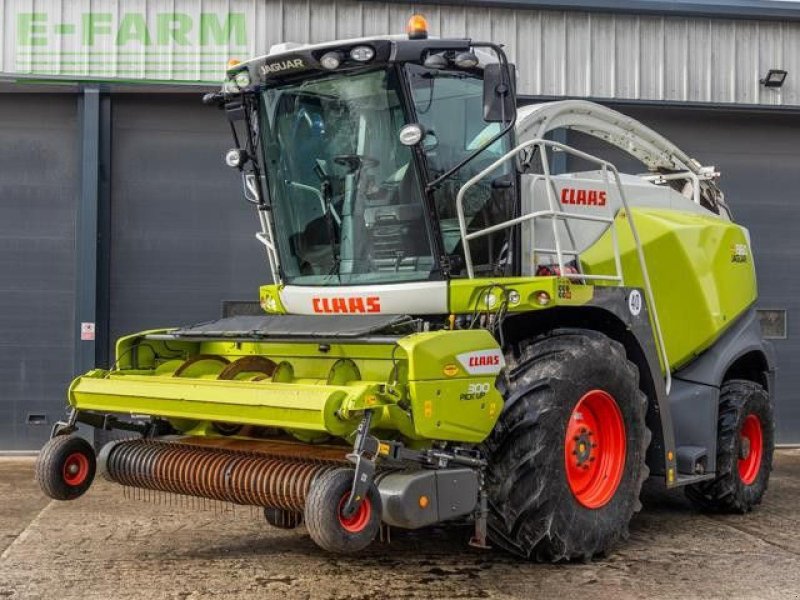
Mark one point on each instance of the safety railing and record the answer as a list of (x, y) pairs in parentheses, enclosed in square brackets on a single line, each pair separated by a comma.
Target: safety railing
[(556, 215)]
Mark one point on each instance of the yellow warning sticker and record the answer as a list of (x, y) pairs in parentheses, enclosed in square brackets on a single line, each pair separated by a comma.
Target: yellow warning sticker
[(450, 370)]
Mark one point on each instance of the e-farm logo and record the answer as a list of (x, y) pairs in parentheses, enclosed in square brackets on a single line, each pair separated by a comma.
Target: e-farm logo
[(130, 44)]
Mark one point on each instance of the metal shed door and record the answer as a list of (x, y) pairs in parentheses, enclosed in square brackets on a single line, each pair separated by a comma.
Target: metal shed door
[(182, 236), (38, 193)]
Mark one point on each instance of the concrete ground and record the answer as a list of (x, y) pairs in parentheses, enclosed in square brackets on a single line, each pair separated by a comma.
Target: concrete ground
[(109, 546)]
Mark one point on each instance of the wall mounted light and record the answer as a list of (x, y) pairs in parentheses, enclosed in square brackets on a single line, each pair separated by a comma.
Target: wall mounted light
[(774, 78)]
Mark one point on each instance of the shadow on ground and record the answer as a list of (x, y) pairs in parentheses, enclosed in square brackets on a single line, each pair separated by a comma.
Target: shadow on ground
[(106, 545)]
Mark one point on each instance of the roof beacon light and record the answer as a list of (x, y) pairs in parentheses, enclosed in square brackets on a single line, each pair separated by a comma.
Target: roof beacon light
[(417, 28), (233, 62)]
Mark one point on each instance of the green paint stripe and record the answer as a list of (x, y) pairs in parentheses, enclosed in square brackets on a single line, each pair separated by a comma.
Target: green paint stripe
[(116, 80), (219, 52), (129, 72), (129, 62)]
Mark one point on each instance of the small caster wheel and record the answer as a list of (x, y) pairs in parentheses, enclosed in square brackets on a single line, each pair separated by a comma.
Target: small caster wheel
[(65, 468), (326, 524), (226, 428), (281, 518)]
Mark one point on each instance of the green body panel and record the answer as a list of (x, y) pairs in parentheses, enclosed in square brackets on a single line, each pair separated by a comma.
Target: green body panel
[(700, 267), (301, 405), (415, 387), (446, 401), (469, 295)]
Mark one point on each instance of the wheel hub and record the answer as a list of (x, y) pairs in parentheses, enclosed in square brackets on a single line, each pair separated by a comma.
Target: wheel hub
[(595, 449), (751, 449), (356, 522), (583, 448), (76, 469), (744, 448)]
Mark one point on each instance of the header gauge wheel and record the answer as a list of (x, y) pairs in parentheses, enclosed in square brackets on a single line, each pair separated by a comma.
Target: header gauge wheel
[(65, 468), (567, 457), (326, 523)]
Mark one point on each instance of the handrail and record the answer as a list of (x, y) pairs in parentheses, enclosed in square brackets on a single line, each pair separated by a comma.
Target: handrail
[(555, 214)]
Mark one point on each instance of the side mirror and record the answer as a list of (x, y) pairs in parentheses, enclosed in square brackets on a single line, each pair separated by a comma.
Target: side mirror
[(430, 141), (498, 92)]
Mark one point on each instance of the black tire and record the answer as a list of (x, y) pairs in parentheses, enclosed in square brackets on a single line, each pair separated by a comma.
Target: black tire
[(533, 511), (322, 513), (226, 429), (66, 467), (728, 492), (281, 518)]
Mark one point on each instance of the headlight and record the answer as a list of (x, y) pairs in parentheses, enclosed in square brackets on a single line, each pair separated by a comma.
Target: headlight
[(411, 134), (466, 60), (242, 79), (331, 60), (235, 158), (362, 53)]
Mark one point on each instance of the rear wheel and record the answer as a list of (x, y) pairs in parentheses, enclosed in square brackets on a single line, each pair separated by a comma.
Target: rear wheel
[(745, 443), (325, 520), (567, 457), (65, 468)]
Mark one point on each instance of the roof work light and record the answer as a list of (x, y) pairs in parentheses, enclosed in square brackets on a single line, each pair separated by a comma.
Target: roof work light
[(774, 78)]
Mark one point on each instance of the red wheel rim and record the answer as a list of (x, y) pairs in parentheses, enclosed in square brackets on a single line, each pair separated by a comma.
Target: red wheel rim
[(76, 469), (359, 520), (751, 444), (595, 449)]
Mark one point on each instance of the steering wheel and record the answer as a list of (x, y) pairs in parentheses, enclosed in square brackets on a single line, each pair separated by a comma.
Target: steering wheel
[(355, 162)]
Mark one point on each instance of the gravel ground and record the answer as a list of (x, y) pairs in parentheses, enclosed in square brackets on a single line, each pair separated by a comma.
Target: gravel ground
[(109, 546)]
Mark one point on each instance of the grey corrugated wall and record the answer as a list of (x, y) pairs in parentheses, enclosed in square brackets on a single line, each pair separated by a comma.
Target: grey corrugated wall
[(572, 53)]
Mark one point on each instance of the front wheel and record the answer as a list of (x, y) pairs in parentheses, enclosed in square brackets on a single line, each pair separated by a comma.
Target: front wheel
[(327, 524), (65, 467), (567, 457), (745, 444)]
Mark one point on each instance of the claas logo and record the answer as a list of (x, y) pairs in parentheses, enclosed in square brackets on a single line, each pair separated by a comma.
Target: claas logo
[(347, 306), (484, 360), (583, 197)]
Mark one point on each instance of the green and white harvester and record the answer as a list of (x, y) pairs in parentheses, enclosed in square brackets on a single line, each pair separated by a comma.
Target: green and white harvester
[(468, 320)]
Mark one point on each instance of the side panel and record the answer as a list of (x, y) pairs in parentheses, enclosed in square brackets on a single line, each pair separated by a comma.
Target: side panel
[(744, 336), (451, 379), (694, 398), (701, 269), (414, 298), (694, 409)]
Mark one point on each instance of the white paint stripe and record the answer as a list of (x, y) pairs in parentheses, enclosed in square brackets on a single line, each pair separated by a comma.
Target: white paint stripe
[(24, 533)]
